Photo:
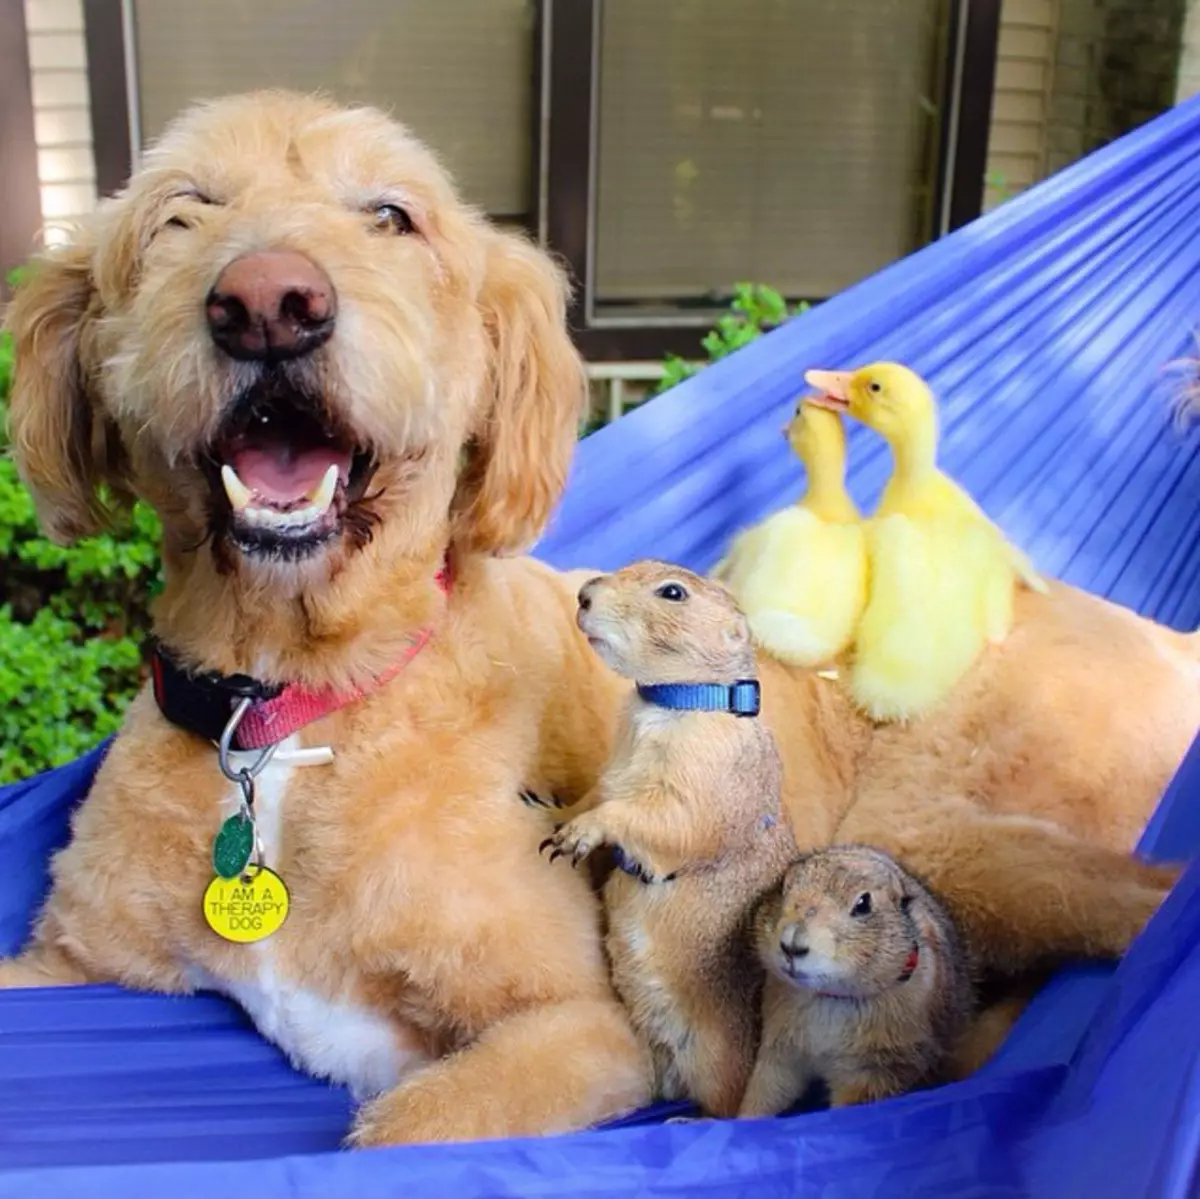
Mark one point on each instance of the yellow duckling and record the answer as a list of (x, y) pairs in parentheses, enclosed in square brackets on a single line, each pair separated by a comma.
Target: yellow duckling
[(800, 576), (942, 574)]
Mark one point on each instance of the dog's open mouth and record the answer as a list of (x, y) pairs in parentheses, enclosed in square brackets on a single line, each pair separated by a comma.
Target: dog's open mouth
[(284, 479)]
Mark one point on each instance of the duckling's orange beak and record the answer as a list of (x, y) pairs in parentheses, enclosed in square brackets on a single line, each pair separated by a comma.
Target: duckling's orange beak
[(833, 389)]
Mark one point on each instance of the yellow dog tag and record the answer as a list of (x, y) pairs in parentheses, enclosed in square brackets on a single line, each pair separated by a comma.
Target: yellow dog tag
[(248, 908)]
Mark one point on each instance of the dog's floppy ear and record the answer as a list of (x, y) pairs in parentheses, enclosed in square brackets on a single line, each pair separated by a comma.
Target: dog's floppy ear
[(516, 464), (58, 439)]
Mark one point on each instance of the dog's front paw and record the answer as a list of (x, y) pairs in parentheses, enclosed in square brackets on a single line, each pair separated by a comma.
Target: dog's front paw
[(413, 1114), (575, 840)]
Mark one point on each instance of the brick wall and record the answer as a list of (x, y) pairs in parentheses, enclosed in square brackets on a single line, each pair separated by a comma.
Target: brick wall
[(62, 117), (1024, 74)]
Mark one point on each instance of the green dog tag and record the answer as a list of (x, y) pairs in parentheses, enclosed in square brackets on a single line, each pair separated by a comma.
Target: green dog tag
[(233, 846)]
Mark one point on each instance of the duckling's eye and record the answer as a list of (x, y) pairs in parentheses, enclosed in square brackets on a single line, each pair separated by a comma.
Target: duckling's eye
[(391, 218), (673, 592), (862, 905), (875, 388), (905, 902)]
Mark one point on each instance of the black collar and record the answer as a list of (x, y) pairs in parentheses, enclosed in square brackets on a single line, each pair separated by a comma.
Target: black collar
[(201, 702)]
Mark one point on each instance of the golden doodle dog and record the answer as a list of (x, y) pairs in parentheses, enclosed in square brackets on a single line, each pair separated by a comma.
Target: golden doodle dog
[(352, 402)]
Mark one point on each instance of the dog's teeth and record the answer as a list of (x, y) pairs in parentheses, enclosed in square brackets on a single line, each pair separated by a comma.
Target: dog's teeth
[(322, 495), (239, 494), (284, 522)]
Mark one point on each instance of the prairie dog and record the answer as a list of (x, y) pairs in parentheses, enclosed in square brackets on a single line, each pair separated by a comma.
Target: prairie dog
[(868, 985), (690, 802)]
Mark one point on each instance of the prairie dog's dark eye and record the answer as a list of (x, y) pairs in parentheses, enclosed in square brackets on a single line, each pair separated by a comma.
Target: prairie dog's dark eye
[(177, 222), (391, 218), (875, 387), (673, 592), (862, 905)]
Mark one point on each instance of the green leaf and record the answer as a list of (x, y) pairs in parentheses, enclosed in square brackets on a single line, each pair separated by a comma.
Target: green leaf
[(754, 310)]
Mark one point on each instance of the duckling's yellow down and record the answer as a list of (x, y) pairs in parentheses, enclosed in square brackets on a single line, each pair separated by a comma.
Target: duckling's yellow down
[(939, 593), (800, 576), (942, 574)]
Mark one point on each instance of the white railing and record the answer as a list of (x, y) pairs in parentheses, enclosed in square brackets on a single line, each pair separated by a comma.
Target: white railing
[(617, 386)]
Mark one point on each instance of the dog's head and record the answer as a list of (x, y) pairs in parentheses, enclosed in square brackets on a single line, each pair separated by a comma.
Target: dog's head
[(291, 337)]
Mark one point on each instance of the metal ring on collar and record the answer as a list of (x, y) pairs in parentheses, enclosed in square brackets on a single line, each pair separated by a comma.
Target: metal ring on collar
[(225, 747)]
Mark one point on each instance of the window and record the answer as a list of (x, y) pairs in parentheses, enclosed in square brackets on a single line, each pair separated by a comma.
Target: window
[(790, 142), (459, 72)]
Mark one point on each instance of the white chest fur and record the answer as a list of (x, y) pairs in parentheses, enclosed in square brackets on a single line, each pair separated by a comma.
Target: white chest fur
[(328, 1037), (335, 1039)]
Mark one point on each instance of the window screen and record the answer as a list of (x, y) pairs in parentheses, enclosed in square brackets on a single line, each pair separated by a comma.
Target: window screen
[(788, 142), (458, 72)]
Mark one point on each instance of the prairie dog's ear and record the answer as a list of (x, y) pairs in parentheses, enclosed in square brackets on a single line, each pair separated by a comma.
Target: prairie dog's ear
[(59, 440), (517, 462)]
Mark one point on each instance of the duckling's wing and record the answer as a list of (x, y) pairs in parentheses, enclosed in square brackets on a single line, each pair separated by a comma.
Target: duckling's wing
[(803, 587), (1018, 561), (924, 621)]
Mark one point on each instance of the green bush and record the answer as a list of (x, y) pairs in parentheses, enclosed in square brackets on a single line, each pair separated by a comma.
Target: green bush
[(72, 623), (756, 309)]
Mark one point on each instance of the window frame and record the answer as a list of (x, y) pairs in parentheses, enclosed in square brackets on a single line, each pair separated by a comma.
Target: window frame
[(573, 63)]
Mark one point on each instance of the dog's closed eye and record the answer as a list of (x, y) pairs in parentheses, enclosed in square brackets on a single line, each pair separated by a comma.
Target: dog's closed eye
[(391, 218), (178, 206)]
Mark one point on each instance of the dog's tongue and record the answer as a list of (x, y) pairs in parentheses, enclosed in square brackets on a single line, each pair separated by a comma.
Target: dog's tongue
[(284, 474)]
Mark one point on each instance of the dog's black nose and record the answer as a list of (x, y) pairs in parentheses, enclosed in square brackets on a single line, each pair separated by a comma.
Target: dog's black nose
[(271, 305)]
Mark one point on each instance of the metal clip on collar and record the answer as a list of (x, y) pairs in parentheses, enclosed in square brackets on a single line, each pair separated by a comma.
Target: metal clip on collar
[(245, 775)]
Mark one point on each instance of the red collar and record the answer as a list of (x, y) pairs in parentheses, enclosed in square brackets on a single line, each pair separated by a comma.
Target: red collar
[(910, 968), (204, 703)]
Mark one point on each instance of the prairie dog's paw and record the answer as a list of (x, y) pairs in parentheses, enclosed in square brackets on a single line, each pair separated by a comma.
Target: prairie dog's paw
[(635, 869), (535, 799), (575, 839)]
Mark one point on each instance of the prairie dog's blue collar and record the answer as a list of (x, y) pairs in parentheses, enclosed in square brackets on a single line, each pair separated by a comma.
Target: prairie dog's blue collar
[(742, 698)]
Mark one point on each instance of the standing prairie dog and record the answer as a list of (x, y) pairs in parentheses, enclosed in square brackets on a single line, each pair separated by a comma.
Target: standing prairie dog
[(690, 803), (867, 986)]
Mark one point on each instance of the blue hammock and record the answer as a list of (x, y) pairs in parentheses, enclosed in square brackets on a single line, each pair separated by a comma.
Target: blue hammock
[(1045, 327)]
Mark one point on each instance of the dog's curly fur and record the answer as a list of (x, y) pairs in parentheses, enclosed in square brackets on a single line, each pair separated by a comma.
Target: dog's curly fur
[(430, 954)]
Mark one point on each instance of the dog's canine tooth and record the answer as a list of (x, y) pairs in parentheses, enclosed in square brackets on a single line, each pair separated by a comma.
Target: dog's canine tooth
[(322, 495), (239, 494)]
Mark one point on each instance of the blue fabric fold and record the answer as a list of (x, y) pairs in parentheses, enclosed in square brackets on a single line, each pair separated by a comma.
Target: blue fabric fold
[(1045, 327)]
